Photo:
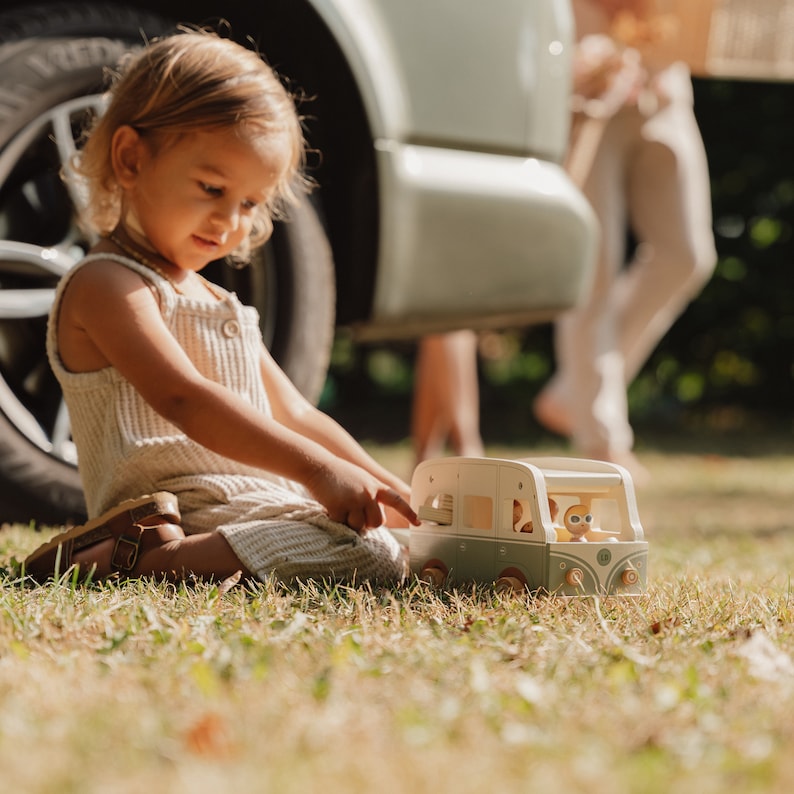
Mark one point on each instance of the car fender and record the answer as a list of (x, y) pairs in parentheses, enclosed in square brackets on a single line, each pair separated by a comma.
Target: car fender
[(368, 48), (455, 74)]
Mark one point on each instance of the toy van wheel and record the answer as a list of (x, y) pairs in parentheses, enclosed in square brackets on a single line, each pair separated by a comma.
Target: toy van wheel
[(508, 584), (511, 580), (433, 576), (434, 572)]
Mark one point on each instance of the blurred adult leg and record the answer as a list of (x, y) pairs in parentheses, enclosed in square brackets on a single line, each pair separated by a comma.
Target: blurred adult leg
[(660, 166), (446, 401), (670, 213), (586, 398)]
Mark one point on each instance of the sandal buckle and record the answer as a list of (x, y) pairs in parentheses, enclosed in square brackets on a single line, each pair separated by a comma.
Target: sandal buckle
[(125, 553)]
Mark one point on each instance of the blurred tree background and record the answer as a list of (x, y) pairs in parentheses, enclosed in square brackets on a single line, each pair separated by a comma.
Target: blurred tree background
[(726, 366)]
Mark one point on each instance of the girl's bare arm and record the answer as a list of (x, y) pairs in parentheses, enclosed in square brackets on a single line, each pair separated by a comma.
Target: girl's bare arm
[(293, 410)]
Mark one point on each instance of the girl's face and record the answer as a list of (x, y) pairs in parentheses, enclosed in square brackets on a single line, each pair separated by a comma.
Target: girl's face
[(195, 198)]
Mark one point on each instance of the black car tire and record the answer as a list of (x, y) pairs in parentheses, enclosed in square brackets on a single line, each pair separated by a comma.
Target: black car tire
[(50, 55)]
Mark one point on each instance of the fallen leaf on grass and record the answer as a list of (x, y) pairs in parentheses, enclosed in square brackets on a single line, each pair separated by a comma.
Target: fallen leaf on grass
[(663, 625), (209, 737)]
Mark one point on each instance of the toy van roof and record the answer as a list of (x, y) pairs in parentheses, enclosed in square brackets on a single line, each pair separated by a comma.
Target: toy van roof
[(579, 474), (559, 474)]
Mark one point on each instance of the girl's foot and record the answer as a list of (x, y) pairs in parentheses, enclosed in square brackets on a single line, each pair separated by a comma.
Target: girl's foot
[(123, 541)]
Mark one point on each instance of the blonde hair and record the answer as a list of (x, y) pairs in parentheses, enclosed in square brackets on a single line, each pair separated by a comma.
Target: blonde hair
[(188, 82)]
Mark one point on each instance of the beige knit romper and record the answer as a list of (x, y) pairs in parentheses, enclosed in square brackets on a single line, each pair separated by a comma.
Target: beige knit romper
[(126, 449)]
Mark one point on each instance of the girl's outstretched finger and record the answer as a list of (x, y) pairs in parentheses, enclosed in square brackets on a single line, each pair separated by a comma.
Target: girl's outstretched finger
[(390, 498)]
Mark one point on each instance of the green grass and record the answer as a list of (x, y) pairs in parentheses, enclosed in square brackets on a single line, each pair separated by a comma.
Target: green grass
[(150, 688)]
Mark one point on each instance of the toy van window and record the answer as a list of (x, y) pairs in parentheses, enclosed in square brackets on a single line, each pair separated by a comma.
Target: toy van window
[(477, 512), (516, 514), (437, 510), (606, 515)]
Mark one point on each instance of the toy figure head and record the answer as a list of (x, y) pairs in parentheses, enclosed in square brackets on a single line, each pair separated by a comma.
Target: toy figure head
[(578, 521)]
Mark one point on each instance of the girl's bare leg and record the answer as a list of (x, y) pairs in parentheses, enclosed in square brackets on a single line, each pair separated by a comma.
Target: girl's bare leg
[(206, 556)]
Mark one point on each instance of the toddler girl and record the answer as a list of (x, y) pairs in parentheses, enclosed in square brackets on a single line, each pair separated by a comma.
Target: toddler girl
[(197, 455)]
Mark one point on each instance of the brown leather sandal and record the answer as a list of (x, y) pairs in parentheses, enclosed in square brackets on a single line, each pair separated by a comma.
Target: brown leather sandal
[(114, 544)]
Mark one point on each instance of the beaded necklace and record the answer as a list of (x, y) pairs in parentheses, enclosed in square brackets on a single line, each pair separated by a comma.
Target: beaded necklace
[(146, 262)]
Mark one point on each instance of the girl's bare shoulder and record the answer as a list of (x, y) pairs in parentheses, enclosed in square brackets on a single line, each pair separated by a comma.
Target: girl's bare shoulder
[(104, 281), (103, 303)]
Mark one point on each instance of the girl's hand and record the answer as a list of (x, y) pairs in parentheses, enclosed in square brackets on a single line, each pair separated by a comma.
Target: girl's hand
[(354, 497)]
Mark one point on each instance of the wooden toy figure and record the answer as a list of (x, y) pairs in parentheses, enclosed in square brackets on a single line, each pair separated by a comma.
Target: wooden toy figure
[(578, 521), (518, 514)]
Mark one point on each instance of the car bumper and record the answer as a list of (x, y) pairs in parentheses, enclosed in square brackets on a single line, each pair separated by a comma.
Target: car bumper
[(476, 240)]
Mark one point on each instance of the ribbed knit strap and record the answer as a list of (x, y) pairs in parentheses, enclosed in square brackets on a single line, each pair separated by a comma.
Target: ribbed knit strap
[(167, 298)]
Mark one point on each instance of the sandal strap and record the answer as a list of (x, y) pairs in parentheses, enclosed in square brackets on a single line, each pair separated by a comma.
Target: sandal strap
[(129, 548), (116, 524)]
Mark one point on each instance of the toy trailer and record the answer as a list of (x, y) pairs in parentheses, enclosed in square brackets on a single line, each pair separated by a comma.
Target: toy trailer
[(564, 526)]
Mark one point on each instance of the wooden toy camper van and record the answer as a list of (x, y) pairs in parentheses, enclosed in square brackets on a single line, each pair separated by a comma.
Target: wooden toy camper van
[(564, 526)]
